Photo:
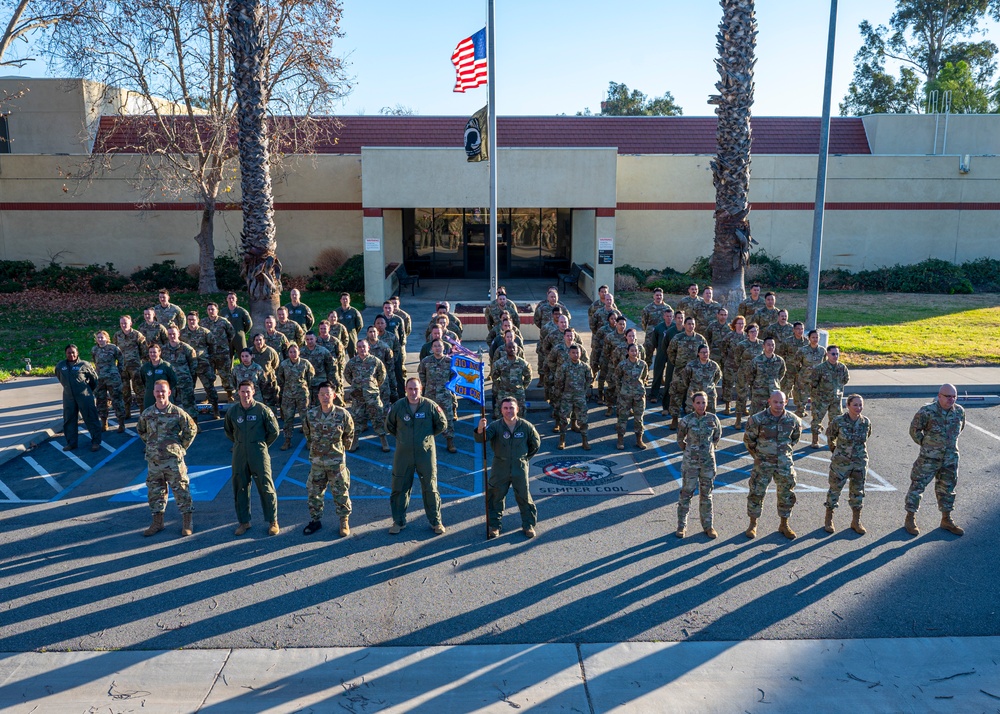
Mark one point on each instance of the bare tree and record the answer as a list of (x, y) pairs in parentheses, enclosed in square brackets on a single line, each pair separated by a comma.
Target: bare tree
[(27, 17), (736, 40), (172, 57)]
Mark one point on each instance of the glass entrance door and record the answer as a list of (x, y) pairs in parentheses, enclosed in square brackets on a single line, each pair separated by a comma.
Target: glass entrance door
[(477, 259)]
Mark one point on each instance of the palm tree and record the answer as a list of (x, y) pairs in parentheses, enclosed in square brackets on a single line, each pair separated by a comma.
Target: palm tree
[(261, 268), (737, 40)]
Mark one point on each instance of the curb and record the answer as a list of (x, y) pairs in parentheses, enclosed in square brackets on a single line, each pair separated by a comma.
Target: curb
[(50, 431)]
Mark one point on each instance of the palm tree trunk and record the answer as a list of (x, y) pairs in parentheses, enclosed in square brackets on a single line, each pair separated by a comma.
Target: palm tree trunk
[(736, 41), (261, 268)]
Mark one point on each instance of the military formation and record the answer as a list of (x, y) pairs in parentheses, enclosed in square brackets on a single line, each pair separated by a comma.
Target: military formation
[(336, 378)]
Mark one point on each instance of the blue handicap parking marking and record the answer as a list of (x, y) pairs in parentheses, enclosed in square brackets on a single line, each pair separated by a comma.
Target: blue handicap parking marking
[(206, 482)]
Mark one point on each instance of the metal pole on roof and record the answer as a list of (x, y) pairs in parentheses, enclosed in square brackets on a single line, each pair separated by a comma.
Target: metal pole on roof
[(492, 143), (815, 259)]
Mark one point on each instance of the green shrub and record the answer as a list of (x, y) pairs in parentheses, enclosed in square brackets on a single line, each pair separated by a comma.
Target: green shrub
[(67, 279), (670, 284), (108, 281), (17, 270), (984, 274), (227, 272), (701, 269), (10, 286), (630, 270), (349, 277), (164, 275), (930, 276)]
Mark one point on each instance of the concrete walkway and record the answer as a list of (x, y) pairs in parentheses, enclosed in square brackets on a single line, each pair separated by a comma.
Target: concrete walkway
[(917, 675)]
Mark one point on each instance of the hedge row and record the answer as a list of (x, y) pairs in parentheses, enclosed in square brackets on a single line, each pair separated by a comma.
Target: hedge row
[(929, 276)]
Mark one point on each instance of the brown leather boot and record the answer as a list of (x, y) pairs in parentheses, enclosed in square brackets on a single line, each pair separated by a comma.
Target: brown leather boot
[(949, 525), (785, 529), (354, 443), (621, 442), (856, 522), (828, 523), (385, 445), (609, 411), (739, 420), (562, 441), (911, 524), (345, 527), (639, 443), (586, 444), (286, 444), (725, 410), (815, 442), (186, 527), (104, 423), (156, 526), (215, 412), (751, 532), (121, 425), (673, 424), (450, 445)]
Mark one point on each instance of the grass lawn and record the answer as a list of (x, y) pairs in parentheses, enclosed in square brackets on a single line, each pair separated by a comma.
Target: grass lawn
[(37, 326), (892, 329)]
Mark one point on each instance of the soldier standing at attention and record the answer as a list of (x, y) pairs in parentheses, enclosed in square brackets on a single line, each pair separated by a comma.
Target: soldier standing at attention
[(707, 308), (764, 375), (324, 369), (110, 364), (151, 330), (510, 375), (294, 376), (682, 349), (752, 304), (337, 332), (252, 427), (336, 347), (702, 376), (292, 330), (299, 312), (240, 320), (78, 379), (598, 303), (275, 340), (152, 372), (770, 437), (364, 375), (415, 421), (809, 357), (613, 343), (435, 373), (767, 315), (689, 304), (717, 330), (827, 390), (203, 343), (630, 376), (789, 351), (572, 381), (847, 437), (728, 360), (667, 371), (497, 310), (386, 346), (132, 343), (659, 356), (184, 361), (408, 319), (697, 436), (543, 311), (329, 430), (746, 351), (221, 356), (514, 442), (652, 315), (167, 313), (246, 370), (168, 433), (352, 321), (268, 360), (936, 428)]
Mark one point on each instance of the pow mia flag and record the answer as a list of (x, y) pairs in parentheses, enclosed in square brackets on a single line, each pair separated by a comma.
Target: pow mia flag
[(476, 140)]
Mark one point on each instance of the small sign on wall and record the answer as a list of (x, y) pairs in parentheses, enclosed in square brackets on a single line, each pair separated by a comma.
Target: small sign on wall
[(605, 257), (605, 244), (373, 244)]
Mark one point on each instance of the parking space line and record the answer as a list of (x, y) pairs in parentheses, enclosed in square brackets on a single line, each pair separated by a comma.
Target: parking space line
[(369, 483), (108, 446), (11, 496), (43, 473), (91, 471), (71, 456), (127, 430), (979, 428)]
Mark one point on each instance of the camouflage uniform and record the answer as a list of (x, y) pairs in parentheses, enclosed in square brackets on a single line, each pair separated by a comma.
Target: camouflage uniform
[(572, 382), (202, 342), (109, 363), (184, 362), (749, 307), (789, 351), (682, 349), (706, 313), (388, 391), (510, 379), (328, 435), (363, 377), (597, 352), (341, 334), (764, 318), (558, 356), (252, 373), (770, 440), (153, 332), (826, 386), (730, 366), (543, 313), (324, 369), (697, 437), (278, 342), (435, 374), (779, 333), (630, 378), (495, 314), (268, 359), (294, 379), (746, 352), (651, 316), (168, 435), (698, 377), (808, 359), (848, 442), (689, 305), (133, 347), (301, 314), (716, 334), (764, 376), (221, 356), (169, 315), (936, 430), (613, 344), (292, 331), (598, 320)]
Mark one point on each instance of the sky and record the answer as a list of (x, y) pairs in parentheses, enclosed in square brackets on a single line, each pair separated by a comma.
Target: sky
[(557, 56)]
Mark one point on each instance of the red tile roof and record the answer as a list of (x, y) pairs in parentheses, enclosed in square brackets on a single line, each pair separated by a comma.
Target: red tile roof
[(630, 135)]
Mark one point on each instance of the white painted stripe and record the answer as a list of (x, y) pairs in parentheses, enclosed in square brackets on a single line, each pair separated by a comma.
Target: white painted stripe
[(979, 428), (71, 456), (43, 473), (127, 430), (108, 446), (11, 496)]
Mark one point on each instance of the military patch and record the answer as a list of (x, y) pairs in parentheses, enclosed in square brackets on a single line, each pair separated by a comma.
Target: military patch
[(419, 415), (239, 420), (406, 417)]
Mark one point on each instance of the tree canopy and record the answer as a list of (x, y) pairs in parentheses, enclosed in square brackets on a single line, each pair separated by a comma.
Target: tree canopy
[(22, 18), (624, 102), (925, 38)]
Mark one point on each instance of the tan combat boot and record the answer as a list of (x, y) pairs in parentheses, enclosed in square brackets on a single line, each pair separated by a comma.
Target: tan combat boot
[(681, 529), (586, 443), (673, 424), (609, 411), (711, 533), (785, 529), (121, 425), (562, 441), (725, 410), (104, 423), (856, 522), (815, 442), (828, 523), (751, 532), (621, 442), (186, 527), (450, 445), (156, 526), (385, 445), (639, 443), (739, 420), (215, 412), (949, 525), (345, 527), (286, 444), (911, 524), (273, 528)]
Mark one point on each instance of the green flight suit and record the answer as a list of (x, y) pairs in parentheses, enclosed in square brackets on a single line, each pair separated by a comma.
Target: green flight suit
[(512, 450), (252, 430), (415, 427), (78, 380), (150, 374)]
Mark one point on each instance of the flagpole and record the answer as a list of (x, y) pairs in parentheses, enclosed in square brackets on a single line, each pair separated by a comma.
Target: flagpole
[(492, 143)]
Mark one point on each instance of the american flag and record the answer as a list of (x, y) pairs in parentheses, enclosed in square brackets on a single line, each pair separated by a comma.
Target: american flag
[(469, 59)]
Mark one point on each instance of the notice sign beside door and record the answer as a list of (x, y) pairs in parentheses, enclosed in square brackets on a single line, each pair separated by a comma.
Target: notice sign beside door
[(373, 244)]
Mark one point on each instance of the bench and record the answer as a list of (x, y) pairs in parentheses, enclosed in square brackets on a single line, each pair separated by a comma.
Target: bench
[(570, 278), (405, 279)]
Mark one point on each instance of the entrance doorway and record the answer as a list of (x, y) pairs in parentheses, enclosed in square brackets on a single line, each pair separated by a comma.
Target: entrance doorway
[(477, 250)]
